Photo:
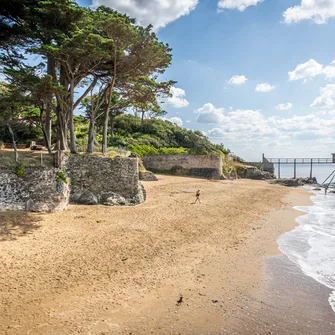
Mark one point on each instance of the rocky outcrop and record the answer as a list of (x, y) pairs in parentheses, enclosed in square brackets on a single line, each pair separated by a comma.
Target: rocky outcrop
[(254, 173), (147, 176), (35, 190), (291, 182)]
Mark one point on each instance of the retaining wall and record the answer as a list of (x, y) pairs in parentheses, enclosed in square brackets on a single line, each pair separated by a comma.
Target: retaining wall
[(209, 166), (104, 178), (37, 191), (89, 180)]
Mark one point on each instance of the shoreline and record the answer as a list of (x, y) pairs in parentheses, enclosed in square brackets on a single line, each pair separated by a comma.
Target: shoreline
[(124, 273)]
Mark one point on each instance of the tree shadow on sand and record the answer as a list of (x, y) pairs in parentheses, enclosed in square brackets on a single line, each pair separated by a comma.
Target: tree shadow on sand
[(16, 224)]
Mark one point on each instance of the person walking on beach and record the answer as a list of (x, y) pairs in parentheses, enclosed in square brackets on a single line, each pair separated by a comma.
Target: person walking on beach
[(197, 197)]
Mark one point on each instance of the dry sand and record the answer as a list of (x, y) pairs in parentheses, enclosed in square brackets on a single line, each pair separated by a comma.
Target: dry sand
[(121, 270)]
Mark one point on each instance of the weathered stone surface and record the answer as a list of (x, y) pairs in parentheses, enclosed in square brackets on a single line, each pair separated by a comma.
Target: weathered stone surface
[(112, 199), (90, 177), (147, 176), (37, 191), (86, 198), (291, 182), (103, 175), (209, 166), (254, 173)]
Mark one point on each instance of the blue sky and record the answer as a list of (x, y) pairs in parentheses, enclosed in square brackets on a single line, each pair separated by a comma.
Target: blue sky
[(224, 49)]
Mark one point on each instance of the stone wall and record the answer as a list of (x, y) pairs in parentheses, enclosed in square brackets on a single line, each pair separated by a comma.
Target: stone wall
[(108, 181), (209, 166), (37, 191), (89, 180)]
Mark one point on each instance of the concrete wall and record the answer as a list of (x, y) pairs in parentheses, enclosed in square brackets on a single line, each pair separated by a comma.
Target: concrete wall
[(101, 178), (209, 166), (38, 190)]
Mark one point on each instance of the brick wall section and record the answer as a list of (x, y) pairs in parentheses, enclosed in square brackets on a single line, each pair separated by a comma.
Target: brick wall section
[(209, 166), (100, 175), (36, 191)]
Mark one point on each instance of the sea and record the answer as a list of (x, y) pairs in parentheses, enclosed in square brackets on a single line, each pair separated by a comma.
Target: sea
[(320, 171), (311, 245)]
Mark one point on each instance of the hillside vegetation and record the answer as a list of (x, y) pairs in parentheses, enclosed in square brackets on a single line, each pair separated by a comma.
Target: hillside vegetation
[(152, 137)]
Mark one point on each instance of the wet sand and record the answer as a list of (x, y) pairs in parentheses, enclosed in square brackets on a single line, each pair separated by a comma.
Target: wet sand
[(104, 270)]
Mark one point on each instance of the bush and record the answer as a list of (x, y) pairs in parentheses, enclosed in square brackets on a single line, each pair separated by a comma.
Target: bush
[(173, 151), (20, 171), (61, 177), (143, 150)]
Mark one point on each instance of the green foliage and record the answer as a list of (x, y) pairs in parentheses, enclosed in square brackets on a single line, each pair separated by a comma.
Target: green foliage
[(61, 176), (143, 150), (173, 151), (20, 170)]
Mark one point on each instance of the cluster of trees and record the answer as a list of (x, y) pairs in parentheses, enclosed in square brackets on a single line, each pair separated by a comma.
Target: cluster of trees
[(57, 56), (154, 136)]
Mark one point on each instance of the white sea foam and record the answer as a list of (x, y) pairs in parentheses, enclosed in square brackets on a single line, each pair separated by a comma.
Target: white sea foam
[(311, 245)]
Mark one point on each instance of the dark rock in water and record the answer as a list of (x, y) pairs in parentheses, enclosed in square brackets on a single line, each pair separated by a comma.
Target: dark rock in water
[(112, 199), (147, 176), (332, 191), (87, 198), (316, 189), (291, 182)]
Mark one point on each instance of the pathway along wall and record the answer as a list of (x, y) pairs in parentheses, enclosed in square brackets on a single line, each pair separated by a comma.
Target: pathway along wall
[(209, 166), (83, 179)]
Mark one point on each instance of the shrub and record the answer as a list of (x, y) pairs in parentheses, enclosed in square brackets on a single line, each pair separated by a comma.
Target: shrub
[(20, 170), (61, 176), (173, 151), (143, 150)]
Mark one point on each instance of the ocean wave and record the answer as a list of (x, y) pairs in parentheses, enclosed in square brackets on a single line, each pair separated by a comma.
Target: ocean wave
[(311, 245)]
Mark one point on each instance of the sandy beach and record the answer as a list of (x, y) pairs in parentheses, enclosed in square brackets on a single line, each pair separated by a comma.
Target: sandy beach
[(122, 270)]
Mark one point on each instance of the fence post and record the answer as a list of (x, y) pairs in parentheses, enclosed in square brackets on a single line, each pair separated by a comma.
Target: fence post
[(311, 174), (295, 168), (279, 168)]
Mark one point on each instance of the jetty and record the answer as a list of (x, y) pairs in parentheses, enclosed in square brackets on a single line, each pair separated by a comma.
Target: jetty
[(268, 164)]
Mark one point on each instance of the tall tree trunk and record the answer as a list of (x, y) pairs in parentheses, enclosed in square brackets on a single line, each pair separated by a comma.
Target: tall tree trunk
[(73, 147), (48, 111), (14, 142), (91, 136), (45, 132), (105, 131), (62, 130), (106, 119), (112, 124)]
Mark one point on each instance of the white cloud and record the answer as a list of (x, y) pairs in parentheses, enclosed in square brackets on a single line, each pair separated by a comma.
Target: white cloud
[(284, 107), (159, 13), (176, 120), (177, 100), (317, 10), (209, 114), (241, 128), (326, 98), (237, 80), (306, 70), (264, 88), (215, 132), (329, 71), (241, 5)]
